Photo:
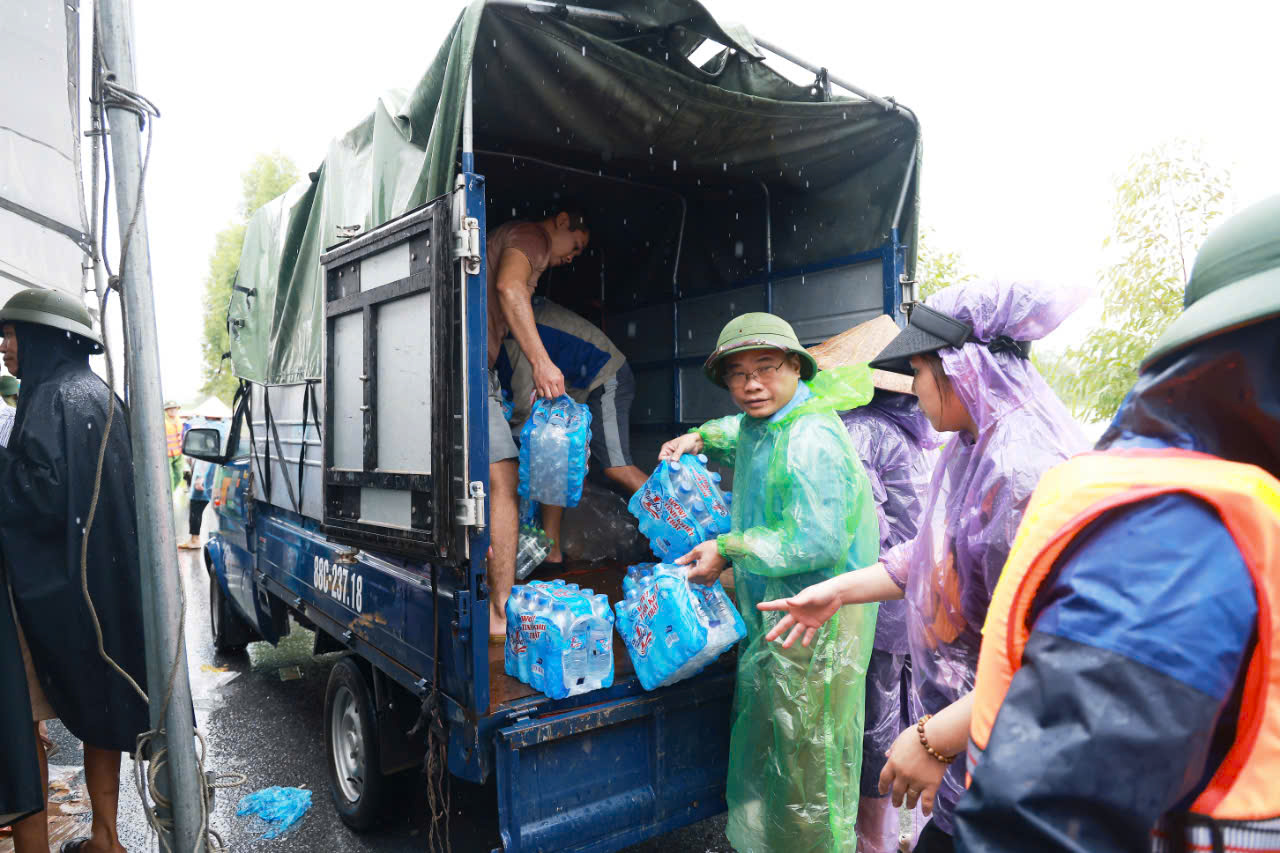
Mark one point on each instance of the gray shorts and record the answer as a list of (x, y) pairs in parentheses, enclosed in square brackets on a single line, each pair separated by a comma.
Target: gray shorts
[(610, 406), (501, 445)]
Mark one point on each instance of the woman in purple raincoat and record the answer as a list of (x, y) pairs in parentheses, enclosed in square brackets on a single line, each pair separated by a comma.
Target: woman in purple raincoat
[(968, 352)]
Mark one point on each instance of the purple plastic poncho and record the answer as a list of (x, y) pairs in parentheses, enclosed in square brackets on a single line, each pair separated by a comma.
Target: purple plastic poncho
[(893, 437), (979, 490)]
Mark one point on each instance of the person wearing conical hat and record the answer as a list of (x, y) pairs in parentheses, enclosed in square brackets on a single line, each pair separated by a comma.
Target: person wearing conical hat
[(802, 512), (893, 439)]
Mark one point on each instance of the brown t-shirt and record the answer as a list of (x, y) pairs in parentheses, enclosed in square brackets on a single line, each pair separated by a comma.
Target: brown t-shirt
[(531, 240)]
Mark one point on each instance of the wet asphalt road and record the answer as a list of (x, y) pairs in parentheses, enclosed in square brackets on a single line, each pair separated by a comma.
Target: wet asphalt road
[(271, 730)]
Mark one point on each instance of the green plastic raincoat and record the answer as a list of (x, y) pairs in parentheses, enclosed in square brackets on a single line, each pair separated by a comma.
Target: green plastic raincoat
[(802, 512)]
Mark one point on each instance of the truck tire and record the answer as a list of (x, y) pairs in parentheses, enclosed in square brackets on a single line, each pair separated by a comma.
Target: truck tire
[(351, 741), (230, 634)]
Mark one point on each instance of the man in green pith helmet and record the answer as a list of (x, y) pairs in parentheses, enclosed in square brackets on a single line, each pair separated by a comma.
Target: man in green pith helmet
[(803, 512)]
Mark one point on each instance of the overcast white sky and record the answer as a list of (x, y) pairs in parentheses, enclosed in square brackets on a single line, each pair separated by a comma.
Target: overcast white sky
[(1029, 111)]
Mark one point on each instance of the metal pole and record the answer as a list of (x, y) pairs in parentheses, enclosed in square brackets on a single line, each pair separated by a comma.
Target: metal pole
[(809, 66), (906, 182), (180, 777)]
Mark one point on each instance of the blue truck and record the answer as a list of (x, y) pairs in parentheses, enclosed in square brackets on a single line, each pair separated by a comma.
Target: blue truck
[(351, 497)]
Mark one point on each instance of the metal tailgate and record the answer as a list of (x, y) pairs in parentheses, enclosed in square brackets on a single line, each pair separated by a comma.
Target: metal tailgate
[(606, 776)]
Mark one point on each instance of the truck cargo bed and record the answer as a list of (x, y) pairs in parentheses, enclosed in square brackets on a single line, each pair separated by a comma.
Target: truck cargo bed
[(603, 577)]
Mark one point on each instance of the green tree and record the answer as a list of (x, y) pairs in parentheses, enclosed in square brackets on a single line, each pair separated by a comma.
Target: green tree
[(269, 176), (935, 268), (1164, 208)]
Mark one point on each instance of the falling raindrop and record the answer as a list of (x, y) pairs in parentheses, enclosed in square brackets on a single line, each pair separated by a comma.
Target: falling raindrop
[(673, 165), (631, 329), (584, 50), (737, 249), (650, 150)]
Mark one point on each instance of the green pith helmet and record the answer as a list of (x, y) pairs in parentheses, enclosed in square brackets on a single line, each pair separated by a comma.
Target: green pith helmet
[(51, 308), (8, 386), (757, 330), (1235, 280)]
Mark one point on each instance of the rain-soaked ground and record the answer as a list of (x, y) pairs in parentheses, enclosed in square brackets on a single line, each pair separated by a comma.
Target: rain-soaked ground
[(262, 715)]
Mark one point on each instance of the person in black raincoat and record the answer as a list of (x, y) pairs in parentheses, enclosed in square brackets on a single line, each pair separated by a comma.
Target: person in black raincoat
[(47, 476)]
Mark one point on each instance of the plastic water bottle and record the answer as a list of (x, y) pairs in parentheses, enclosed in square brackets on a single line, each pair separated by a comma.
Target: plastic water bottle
[(533, 547)]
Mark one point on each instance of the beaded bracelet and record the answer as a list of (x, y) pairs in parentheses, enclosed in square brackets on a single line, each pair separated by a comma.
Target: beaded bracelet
[(924, 741)]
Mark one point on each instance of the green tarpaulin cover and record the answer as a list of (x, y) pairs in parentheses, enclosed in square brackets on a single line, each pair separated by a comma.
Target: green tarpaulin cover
[(620, 99)]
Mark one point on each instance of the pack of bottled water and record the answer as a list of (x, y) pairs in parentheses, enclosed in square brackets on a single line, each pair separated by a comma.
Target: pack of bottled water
[(553, 452), (559, 638), (681, 506), (673, 627)]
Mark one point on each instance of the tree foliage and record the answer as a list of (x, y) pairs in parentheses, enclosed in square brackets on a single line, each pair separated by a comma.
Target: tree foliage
[(268, 176), (1164, 208), (935, 268)]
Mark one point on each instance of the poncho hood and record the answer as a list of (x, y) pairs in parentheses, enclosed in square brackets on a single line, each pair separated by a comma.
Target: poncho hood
[(993, 384), (1220, 396)]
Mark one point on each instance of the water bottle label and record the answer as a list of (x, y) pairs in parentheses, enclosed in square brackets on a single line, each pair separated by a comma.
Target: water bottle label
[(537, 667), (672, 636), (642, 639), (575, 643)]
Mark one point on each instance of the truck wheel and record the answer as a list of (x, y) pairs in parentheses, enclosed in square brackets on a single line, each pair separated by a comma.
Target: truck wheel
[(351, 736), (230, 634)]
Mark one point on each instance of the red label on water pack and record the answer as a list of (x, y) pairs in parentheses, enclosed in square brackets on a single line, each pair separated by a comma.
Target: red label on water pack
[(676, 517), (563, 592), (651, 502), (642, 640), (647, 606)]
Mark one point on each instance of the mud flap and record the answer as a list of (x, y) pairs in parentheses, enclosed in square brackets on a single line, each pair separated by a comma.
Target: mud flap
[(601, 777)]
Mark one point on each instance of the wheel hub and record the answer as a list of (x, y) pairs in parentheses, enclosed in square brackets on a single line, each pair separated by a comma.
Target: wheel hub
[(347, 747)]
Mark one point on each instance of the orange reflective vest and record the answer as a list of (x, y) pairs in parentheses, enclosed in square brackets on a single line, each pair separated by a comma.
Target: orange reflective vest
[(173, 435), (1246, 787)]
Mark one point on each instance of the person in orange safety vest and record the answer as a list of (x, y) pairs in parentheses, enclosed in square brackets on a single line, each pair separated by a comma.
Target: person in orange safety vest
[(173, 439), (1128, 687)]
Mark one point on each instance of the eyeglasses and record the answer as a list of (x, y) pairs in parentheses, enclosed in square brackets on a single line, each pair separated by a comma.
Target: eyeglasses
[(740, 378)]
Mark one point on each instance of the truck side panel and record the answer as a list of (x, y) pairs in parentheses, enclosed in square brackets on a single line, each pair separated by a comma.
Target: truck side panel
[(602, 777)]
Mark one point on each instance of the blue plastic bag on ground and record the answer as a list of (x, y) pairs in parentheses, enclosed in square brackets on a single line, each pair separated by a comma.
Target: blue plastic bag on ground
[(554, 443), (681, 506), (559, 638), (673, 628), (280, 807)]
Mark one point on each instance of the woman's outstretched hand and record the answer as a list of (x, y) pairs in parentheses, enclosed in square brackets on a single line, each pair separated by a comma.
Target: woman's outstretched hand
[(805, 613)]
